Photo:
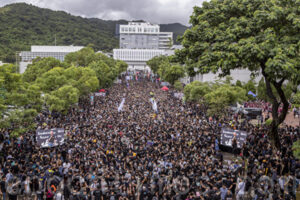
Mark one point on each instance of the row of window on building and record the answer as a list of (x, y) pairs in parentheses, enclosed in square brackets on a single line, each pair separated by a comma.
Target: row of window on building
[(139, 30), (136, 55)]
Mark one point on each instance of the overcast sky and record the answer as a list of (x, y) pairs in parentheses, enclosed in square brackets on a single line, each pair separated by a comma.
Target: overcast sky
[(155, 11)]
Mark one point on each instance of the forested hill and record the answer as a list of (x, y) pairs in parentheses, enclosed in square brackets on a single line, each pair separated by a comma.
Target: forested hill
[(23, 25)]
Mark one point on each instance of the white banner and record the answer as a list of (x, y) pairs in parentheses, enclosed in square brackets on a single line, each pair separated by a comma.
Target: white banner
[(121, 105), (100, 94), (154, 104), (179, 95)]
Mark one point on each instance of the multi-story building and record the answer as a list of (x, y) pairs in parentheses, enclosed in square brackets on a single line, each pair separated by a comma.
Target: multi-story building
[(137, 58), (141, 35), (58, 52), (141, 41)]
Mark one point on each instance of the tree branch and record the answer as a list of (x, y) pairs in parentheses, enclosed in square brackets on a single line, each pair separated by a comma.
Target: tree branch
[(278, 87)]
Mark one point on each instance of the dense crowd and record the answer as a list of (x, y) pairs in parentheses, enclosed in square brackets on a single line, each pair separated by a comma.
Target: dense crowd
[(139, 153)]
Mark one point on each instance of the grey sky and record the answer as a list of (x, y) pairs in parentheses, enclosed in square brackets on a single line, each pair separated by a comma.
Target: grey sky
[(155, 11)]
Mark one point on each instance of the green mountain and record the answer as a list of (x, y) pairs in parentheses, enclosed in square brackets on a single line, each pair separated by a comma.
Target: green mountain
[(23, 25), (176, 28)]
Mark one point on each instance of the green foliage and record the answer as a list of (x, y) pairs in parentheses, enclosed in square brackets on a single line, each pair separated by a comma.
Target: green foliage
[(106, 69), (55, 83), (296, 149), (261, 36), (105, 74), (261, 90), (19, 102), (63, 98), (39, 67), (82, 57), (268, 122), (262, 94), (188, 88), (238, 83), (199, 91), (168, 71), (163, 68), (155, 63), (23, 25), (178, 85), (222, 97), (250, 86), (296, 98), (228, 80), (82, 72), (216, 96), (176, 28), (84, 79), (173, 73)]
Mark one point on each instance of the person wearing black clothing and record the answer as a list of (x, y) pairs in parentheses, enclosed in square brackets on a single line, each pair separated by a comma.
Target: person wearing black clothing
[(97, 193), (3, 188), (234, 146)]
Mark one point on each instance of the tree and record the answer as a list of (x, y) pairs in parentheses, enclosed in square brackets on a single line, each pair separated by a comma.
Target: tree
[(188, 88), (296, 149), (288, 89), (62, 99), (105, 74), (173, 73), (52, 80), (178, 85), (39, 66), (82, 78), (155, 62), (121, 66), (163, 68), (262, 36), (250, 86), (82, 57), (296, 98), (19, 102), (223, 96), (54, 84), (238, 83), (261, 90)]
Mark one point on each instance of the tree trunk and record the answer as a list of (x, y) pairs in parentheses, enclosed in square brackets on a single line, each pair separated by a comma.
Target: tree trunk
[(277, 119), (273, 131)]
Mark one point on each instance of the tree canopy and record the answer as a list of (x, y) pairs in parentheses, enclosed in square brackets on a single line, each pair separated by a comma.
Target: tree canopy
[(215, 96), (52, 85), (19, 101), (262, 36)]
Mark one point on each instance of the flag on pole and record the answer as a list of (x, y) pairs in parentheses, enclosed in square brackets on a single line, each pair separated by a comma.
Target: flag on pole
[(121, 105), (251, 93)]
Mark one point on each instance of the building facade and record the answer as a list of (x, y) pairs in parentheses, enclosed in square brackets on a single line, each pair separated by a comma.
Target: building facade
[(58, 52), (141, 41), (137, 58)]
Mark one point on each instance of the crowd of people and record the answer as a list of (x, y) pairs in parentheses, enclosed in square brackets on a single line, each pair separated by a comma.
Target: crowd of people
[(136, 152)]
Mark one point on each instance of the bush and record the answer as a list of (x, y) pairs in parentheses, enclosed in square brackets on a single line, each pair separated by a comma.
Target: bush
[(268, 122), (178, 85), (296, 149)]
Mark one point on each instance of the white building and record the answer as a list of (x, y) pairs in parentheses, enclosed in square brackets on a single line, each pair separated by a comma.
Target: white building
[(141, 41), (58, 52), (137, 58), (144, 35)]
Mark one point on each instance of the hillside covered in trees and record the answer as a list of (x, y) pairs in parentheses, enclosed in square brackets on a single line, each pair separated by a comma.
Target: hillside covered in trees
[(23, 25)]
